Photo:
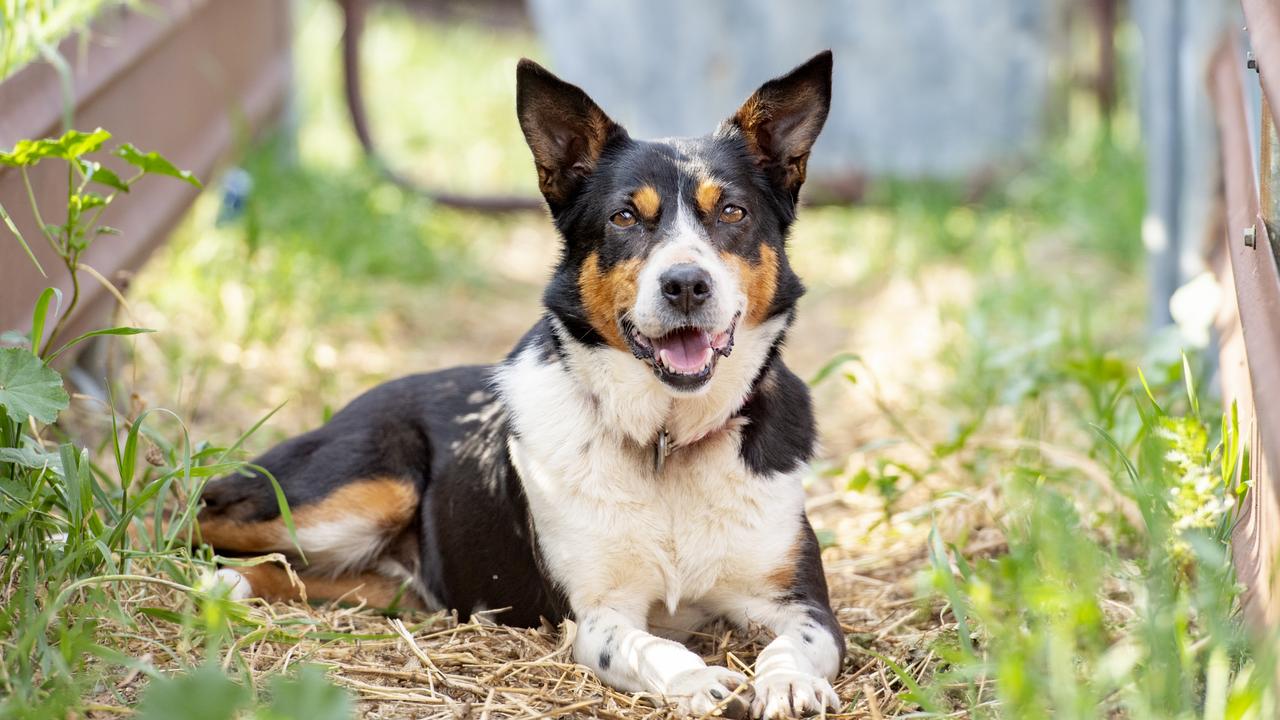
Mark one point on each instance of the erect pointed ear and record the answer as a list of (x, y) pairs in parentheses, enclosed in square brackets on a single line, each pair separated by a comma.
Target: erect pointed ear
[(565, 130), (781, 120)]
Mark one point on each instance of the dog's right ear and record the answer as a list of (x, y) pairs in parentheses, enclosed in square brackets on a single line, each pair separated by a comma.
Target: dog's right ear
[(566, 131)]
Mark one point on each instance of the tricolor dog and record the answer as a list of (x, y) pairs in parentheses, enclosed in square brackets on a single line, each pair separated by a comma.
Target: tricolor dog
[(635, 463)]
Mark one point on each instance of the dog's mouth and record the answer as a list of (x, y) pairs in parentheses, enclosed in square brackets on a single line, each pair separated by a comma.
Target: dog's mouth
[(685, 357)]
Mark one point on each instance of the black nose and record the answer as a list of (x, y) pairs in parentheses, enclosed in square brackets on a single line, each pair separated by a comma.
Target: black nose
[(686, 286)]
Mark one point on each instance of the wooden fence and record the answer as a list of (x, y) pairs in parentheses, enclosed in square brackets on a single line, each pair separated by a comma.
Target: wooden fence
[(1246, 265)]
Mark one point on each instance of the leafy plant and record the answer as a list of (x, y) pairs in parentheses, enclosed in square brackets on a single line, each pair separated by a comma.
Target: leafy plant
[(72, 528), (208, 694), (87, 180), (1045, 638)]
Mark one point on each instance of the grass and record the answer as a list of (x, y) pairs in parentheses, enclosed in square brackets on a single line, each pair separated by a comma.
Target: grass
[(33, 28), (1017, 522)]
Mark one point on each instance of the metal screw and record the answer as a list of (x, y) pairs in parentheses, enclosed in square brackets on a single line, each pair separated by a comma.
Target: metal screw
[(1252, 62), (1250, 236)]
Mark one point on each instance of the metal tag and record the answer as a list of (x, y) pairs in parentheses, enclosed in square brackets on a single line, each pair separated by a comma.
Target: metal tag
[(661, 449)]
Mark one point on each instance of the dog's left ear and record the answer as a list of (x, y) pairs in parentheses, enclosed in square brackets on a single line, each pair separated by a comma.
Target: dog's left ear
[(782, 119), (565, 129)]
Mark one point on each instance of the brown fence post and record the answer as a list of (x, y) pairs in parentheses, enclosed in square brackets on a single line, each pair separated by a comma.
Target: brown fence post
[(1249, 324)]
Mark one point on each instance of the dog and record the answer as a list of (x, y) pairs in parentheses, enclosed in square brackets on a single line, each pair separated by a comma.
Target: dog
[(634, 464)]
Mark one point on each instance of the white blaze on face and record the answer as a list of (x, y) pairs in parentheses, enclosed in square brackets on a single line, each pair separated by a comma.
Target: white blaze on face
[(686, 243)]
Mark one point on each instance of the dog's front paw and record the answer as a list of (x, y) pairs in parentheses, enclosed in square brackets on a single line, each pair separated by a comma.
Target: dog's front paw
[(711, 690), (785, 694)]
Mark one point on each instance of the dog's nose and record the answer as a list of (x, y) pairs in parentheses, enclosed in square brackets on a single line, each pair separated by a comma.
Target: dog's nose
[(686, 286)]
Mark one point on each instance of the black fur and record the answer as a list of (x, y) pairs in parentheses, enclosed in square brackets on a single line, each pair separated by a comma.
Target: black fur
[(780, 432), (809, 589)]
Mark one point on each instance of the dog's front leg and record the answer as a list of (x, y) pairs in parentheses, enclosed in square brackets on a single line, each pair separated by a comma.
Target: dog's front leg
[(794, 672), (625, 655)]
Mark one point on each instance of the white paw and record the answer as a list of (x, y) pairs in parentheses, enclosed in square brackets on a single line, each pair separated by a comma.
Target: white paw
[(238, 587), (785, 694), (710, 690)]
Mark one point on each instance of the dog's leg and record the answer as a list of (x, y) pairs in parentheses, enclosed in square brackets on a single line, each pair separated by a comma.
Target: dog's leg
[(794, 671), (622, 652), (271, 583)]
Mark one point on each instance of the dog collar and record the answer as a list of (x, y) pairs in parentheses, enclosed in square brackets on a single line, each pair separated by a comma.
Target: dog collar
[(663, 447)]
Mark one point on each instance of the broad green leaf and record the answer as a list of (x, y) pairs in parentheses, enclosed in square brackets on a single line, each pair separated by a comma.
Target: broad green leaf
[(30, 457), (29, 388), (29, 152), (70, 146), (309, 697), (39, 315), (153, 163), (97, 173), (205, 694), (75, 143)]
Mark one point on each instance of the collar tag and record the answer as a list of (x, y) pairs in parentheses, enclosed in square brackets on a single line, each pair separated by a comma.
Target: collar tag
[(661, 449)]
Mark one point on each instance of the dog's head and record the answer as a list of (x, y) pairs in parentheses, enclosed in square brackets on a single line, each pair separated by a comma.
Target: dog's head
[(673, 246)]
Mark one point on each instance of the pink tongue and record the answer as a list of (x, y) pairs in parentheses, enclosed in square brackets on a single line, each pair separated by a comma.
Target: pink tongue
[(686, 349)]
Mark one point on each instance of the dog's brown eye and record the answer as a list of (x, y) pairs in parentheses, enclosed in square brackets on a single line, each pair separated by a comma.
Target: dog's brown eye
[(623, 218), (732, 214)]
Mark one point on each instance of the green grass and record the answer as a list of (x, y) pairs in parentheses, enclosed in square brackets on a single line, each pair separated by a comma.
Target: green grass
[(33, 28), (1110, 595), (1116, 492)]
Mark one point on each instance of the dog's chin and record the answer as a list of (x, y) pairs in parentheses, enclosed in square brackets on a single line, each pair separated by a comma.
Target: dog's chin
[(684, 358)]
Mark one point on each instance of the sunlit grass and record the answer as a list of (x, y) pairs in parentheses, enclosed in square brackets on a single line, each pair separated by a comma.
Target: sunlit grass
[(988, 433), (31, 28)]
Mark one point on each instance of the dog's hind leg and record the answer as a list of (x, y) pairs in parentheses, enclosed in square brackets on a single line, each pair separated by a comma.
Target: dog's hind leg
[(273, 583), (344, 531), (358, 544)]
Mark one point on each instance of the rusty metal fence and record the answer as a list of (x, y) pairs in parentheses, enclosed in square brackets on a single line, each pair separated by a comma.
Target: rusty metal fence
[(1246, 266)]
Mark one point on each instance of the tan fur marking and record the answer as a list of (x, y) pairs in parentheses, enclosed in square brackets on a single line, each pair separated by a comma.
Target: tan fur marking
[(756, 112), (783, 578), (607, 295), (759, 281), (271, 582), (708, 196), (647, 202), (388, 502), (555, 171), (749, 116)]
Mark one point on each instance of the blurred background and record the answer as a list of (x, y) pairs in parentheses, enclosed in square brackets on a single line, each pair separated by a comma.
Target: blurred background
[(977, 160), (1015, 205)]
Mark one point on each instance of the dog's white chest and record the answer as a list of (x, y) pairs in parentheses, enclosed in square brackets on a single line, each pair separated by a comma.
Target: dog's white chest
[(606, 523), (608, 526)]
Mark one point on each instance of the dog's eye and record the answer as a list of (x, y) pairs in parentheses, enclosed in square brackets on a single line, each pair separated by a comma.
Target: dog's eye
[(732, 214), (623, 219)]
